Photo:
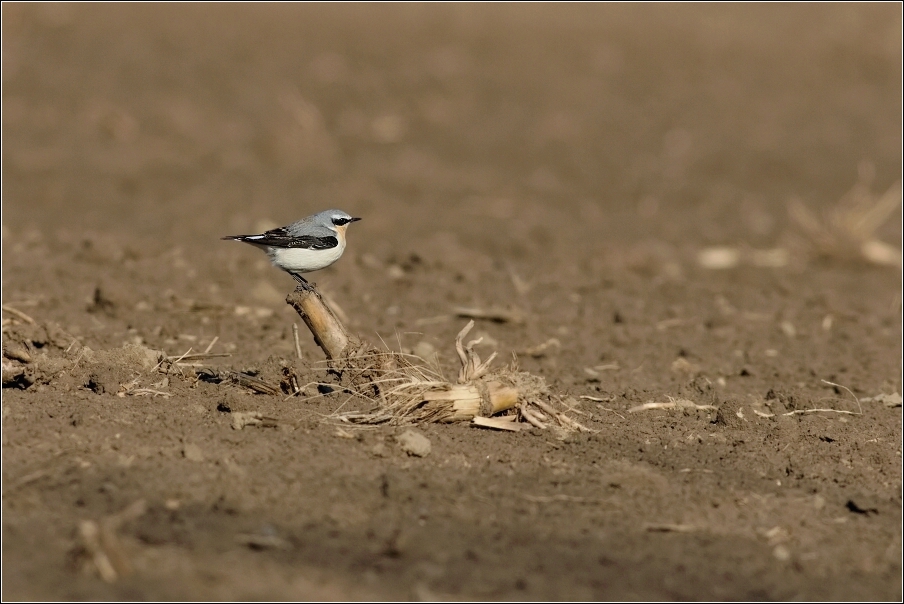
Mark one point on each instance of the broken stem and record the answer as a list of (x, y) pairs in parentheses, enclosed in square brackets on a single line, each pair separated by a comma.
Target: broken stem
[(328, 331), (297, 342)]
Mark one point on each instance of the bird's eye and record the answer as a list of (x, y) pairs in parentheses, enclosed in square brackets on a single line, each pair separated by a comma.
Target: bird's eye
[(340, 221)]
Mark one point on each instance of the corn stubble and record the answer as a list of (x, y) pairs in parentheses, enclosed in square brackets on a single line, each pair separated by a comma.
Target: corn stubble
[(406, 389)]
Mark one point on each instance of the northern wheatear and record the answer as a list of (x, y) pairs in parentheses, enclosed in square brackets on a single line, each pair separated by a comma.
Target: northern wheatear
[(305, 246)]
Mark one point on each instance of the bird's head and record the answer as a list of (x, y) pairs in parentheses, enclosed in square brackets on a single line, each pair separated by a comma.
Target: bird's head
[(337, 220)]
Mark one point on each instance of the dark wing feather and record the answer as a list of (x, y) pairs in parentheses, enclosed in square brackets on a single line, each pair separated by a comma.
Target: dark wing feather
[(312, 243), (281, 238)]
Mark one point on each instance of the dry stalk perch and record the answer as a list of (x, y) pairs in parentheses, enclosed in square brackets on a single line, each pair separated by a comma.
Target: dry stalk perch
[(407, 391), (328, 332)]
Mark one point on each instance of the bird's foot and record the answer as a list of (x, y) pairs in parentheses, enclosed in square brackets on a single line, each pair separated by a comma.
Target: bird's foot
[(303, 284)]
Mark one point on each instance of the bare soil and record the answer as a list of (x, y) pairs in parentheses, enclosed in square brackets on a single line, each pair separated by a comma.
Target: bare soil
[(568, 164)]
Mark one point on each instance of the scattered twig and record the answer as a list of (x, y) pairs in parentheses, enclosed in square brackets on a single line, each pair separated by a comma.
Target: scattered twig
[(819, 410), (297, 342), (672, 404), (612, 411), (856, 400), (168, 360), (18, 313), (564, 420), (803, 411), (248, 381), (521, 285), (102, 545), (531, 417), (175, 360), (81, 353), (90, 534), (371, 418), (669, 323), (603, 400), (148, 392), (541, 349), (293, 381), (212, 342), (569, 407), (27, 479), (505, 422), (343, 433), (336, 411)]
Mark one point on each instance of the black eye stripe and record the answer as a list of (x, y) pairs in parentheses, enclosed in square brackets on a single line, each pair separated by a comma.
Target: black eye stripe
[(340, 221)]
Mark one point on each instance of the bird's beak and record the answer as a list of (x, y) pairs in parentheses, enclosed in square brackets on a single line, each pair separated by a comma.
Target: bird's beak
[(354, 219)]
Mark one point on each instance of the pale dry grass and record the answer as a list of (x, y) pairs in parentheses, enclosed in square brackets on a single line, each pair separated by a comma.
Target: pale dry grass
[(410, 389), (848, 229)]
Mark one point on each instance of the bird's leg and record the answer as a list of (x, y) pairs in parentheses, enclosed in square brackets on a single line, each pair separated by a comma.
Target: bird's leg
[(303, 284)]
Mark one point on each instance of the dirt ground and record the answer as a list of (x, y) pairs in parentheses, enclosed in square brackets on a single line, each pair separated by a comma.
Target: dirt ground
[(586, 168)]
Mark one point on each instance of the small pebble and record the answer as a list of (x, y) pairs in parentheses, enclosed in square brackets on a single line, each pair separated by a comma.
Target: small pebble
[(414, 443)]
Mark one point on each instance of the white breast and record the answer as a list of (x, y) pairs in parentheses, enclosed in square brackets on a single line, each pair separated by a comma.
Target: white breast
[(301, 260)]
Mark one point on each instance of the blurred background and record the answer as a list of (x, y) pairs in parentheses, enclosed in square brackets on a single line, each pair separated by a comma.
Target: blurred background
[(518, 125)]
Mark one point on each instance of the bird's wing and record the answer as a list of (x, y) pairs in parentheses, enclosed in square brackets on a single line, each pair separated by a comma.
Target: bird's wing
[(282, 238)]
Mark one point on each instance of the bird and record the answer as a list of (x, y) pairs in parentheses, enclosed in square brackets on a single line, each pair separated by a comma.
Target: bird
[(307, 245)]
